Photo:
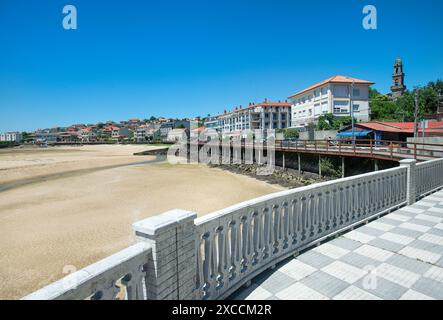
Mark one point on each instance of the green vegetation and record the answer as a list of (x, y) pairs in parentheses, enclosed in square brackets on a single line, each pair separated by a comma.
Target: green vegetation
[(329, 122), (330, 167), (383, 108), (289, 133)]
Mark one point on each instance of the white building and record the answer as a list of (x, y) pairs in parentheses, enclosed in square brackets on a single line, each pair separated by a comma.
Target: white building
[(333, 95), (265, 115), (11, 137)]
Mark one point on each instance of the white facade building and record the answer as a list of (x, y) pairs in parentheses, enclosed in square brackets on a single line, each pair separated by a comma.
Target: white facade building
[(333, 95), (11, 137), (265, 115)]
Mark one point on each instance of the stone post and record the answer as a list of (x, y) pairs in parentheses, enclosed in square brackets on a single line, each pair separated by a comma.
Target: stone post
[(411, 181), (171, 273)]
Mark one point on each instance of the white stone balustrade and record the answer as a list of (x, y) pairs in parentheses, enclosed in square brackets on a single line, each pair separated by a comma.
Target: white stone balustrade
[(121, 275), (181, 257), (429, 177)]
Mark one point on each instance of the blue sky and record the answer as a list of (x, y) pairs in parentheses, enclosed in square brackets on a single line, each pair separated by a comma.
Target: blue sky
[(186, 58)]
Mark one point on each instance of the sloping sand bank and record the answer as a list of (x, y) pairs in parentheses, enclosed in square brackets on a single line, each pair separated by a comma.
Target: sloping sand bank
[(85, 211)]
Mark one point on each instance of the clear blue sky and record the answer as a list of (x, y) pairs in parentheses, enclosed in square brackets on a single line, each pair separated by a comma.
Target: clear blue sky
[(187, 58)]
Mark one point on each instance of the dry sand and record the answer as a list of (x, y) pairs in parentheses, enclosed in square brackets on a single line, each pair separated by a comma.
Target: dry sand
[(79, 207)]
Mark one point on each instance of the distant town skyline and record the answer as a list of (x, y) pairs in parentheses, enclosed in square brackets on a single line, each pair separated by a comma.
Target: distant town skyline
[(179, 60)]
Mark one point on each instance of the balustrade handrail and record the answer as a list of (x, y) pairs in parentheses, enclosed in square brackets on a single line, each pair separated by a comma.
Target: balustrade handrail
[(119, 275)]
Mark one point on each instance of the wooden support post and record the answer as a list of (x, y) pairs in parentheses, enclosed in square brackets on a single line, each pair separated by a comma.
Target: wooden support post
[(375, 165), (319, 165), (342, 167)]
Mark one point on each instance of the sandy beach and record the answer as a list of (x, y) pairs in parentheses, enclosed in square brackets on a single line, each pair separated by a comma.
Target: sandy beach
[(67, 207)]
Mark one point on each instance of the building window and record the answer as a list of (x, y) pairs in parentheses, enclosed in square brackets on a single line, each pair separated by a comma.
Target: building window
[(356, 92), (356, 107)]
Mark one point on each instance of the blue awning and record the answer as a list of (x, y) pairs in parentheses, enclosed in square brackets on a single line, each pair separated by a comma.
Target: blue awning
[(353, 134)]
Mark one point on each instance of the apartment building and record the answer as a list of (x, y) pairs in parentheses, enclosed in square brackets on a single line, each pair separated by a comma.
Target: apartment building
[(11, 137), (333, 95), (265, 115)]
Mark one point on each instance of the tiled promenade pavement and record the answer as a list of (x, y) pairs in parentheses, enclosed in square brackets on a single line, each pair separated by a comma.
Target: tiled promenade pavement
[(399, 256)]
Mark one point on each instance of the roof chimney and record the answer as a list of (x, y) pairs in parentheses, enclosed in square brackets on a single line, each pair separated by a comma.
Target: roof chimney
[(266, 100)]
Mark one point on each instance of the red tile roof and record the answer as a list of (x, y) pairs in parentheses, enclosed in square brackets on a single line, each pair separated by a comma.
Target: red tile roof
[(401, 127), (334, 79)]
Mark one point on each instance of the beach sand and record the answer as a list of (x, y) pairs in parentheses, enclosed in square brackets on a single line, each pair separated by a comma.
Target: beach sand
[(82, 201)]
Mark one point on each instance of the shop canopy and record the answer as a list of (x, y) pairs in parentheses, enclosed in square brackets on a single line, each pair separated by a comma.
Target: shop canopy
[(353, 134)]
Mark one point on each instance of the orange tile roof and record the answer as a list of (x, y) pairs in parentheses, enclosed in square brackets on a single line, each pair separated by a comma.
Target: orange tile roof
[(401, 127), (334, 79)]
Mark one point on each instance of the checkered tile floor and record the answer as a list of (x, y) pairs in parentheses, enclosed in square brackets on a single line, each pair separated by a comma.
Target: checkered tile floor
[(399, 256)]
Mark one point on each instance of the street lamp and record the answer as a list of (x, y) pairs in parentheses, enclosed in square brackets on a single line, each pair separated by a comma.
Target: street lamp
[(351, 96)]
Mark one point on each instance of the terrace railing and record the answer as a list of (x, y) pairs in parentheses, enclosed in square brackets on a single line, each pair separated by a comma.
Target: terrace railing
[(429, 176), (180, 256), (120, 276)]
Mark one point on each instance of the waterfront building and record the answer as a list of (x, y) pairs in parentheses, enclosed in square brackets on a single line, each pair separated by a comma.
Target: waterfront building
[(120, 133), (333, 95), (256, 116), (11, 137)]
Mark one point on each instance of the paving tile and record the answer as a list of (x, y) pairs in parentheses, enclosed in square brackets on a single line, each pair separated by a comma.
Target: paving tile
[(396, 238), (420, 254), (438, 211), (331, 250), (427, 246), (324, 283), (371, 231), (380, 226), (386, 244), (398, 217), (258, 294), (374, 252), (439, 226), (359, 236), (422, 222), (315, 259), (432, 238), (425, 203), (360, 261), (392, 222), (345, 243), (406, 232), (414, 227), (297, 269), (412, 209), (414, 295), (355, 293), (434, 273), (410, 264), (429, 287), (436, 231), (344, 271), (397, 275), (381, 287), (435, 198), (299, 291), (429, 218), (275, 282)]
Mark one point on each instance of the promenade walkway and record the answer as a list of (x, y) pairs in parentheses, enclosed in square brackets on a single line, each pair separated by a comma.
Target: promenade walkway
[(399, 256)]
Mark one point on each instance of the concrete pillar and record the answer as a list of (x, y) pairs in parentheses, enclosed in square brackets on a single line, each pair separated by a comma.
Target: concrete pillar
[(283, 159), (342, 167), (375, 165), (171, 271), (299, 164), (410, 164), (319, 166)]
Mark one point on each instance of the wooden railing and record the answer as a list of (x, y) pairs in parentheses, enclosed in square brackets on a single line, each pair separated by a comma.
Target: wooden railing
[(382, 149)]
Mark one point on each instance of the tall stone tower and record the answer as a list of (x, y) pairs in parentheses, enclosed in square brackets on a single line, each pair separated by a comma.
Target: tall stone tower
[(398, 87)]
